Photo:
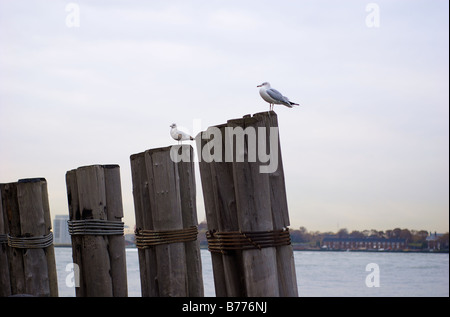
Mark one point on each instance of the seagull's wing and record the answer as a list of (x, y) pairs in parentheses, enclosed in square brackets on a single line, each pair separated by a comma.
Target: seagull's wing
[(290, 102), (184, 136), (276, 95)]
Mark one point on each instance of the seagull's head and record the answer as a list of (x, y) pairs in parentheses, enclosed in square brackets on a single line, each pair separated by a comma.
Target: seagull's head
[(264, 84), (173, 125)]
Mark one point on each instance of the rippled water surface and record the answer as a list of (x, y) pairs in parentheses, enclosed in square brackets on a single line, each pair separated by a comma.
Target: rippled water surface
[(322, 273)]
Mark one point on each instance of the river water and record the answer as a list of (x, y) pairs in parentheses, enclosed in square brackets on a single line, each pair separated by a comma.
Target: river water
[(324, 273)]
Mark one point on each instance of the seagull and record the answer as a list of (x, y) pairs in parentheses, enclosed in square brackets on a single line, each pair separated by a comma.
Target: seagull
[(179, 135), (273, 96)]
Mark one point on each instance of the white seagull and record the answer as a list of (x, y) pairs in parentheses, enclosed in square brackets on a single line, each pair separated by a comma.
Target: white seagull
[(273, 96), (179, 135)]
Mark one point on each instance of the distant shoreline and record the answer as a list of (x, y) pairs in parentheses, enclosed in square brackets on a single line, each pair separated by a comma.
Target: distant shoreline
[(376, 251), (316, 250)]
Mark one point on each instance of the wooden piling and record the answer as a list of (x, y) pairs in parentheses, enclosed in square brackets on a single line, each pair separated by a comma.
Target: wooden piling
[(5, 281), (188, 199), (221, 213), (287, 279), (254, 214), (95, 199), (31, 254), (240, 199), (164, 199)]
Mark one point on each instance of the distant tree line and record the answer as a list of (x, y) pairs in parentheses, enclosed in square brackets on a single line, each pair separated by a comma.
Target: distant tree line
[(416, 239)]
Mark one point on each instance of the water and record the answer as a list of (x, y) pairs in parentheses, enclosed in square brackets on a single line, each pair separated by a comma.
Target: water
[(321, 273), (344, 274)]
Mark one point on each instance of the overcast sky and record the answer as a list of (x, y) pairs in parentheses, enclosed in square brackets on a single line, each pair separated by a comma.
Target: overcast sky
[(368, 148)]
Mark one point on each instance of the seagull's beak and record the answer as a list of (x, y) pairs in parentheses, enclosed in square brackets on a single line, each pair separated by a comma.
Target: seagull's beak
[(259, 85)]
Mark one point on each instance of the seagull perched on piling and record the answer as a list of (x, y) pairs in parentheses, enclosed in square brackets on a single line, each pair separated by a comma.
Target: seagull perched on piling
[(273, 96), (179, 135)]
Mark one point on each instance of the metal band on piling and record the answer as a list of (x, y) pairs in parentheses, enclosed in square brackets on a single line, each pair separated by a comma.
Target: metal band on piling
[(30, 242), (149, 238), (238, 240), (95, 227), (3, 239)]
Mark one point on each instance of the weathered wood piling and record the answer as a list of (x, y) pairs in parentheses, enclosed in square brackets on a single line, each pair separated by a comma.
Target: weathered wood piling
[(166, 222), (98, 245), (246, 207), (221, 213), (5, 280), (29, 251)]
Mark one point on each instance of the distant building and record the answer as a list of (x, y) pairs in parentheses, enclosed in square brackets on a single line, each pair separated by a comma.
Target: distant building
[(433, 241), (61, 234), (369, 243), (130, 240)]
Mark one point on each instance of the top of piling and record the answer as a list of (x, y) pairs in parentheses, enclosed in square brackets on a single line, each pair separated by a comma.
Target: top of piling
[(159, 149), (32, 180)]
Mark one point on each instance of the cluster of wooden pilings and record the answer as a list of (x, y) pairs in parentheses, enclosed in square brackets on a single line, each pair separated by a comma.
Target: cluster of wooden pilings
[(27, 257), (165, 207), (246, 212), (98, 245), (242, 200)]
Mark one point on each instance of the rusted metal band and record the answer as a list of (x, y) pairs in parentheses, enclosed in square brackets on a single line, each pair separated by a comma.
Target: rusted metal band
[(239, 240), (148, 238), (31, 242)]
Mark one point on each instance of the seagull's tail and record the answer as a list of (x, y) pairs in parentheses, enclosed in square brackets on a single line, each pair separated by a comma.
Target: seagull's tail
[(293, 103)]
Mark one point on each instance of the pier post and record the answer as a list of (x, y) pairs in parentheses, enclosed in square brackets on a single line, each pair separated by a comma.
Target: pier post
[(5, 281), (246, 208), (166, 223), (221, 213), (30, 251), (98, 245)]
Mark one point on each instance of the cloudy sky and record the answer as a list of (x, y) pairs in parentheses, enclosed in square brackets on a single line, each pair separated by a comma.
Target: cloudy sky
[(93, 82)]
